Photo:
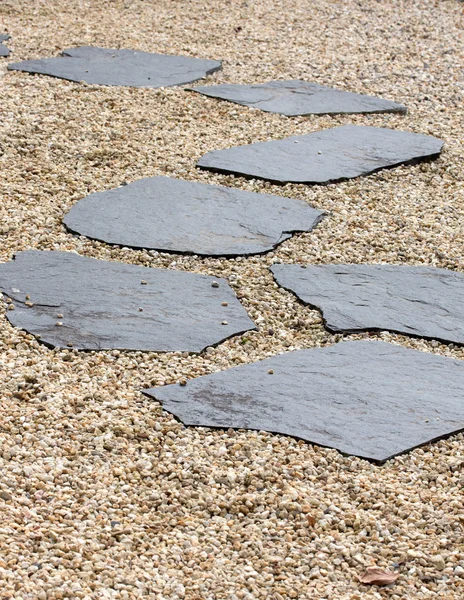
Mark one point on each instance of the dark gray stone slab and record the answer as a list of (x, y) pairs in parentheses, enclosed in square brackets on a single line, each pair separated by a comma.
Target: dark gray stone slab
[(98, 304), (172, 215), (419, 301), (324, 156), (369, 399), (132, 68), (299, 98), (4, 51)]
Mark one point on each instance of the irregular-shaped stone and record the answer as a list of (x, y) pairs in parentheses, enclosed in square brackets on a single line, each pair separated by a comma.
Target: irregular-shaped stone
[(104, 66), (90, 304), (4, 51), (172, 215), (369, 399), (418, 301), (324, 156), (299, 98)]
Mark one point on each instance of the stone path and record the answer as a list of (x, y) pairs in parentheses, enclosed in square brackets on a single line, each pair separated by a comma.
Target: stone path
[(67, 300), (172, 215), (105, 66), (324, 156), (419, 301), (370, 399), (299, 98)]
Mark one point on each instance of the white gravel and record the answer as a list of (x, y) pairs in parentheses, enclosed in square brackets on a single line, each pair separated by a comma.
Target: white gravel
[(102, 494)]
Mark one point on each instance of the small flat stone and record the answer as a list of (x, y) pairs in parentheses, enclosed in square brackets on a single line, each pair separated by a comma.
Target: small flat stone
[(99, 304), (369, 399), (172, 215), (299, 98), (104, 66), (324, 156), (418, 301)]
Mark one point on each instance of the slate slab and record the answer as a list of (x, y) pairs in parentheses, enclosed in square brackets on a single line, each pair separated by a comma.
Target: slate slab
[(4, 51), (107, 305), (369, 399), (419, 301), (172, 215), (299, 98), (324, 156), (105, 66)]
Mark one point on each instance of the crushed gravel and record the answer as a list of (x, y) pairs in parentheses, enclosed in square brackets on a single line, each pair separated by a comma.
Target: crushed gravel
[(104, 495)]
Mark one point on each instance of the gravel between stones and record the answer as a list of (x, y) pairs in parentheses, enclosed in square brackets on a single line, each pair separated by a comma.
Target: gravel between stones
[(104, 495)]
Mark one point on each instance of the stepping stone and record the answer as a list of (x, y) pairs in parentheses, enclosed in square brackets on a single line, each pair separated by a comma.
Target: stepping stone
[(369, 399), (324, 156), (172, 215), (4, 51), (419, 301), (103, 66), (68, 300), (299, 98)]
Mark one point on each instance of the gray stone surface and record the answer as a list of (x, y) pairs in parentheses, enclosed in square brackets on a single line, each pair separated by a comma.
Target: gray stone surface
[(366, 398), (105, 66), (293, 98), (4, 51), (324, 156), (419, 301), (98, 304), (172, 215)]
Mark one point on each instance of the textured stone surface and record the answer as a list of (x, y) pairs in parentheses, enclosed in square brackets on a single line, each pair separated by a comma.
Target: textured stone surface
[(4, 51), (293, 98), (105, 66), (419, 301), (184, 216), (369, 399), (105, 305), (324, 156)]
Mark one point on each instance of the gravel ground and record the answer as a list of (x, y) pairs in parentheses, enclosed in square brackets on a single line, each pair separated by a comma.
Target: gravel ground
[(102, 494)]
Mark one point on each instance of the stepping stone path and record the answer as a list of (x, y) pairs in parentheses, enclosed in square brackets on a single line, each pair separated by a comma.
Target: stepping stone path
[(299, 98), (4, 51), (419, 301), (104, 66), (68, 300), (324, 156), (370, 399), (172, 215)]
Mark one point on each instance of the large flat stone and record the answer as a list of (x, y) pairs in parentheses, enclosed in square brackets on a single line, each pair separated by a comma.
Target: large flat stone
[(105, 66), (299, 98), (419, 301), (369, 399), (99, 302), (4, 51), (172, 215), (324, 156)]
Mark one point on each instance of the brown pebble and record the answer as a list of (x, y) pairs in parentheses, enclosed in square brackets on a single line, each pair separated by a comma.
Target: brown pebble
[(5, 496), (59, 316), (183, 382), (271, 372), (224, 323), (140, 309), (59, 324), (224, 304), (143, 282)]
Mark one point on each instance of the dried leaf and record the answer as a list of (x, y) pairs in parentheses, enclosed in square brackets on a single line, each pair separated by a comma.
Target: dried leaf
[(377, 576), (311, 520)]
